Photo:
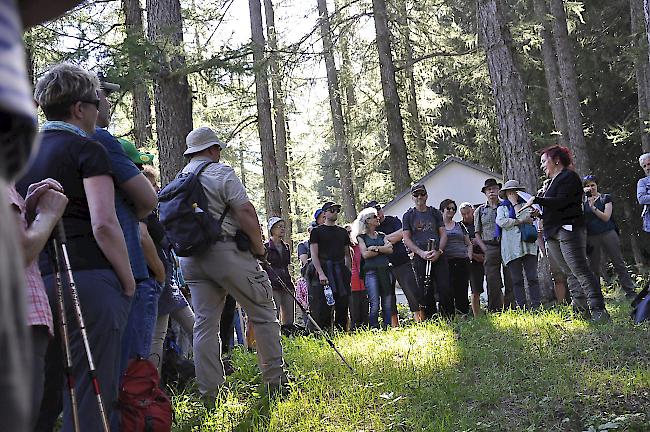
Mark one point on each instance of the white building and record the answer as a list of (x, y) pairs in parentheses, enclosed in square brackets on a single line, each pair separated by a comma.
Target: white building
[(453, 178)]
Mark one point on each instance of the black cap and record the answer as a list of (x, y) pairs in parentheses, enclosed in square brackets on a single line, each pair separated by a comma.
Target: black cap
[(329, 205), (490, 182), (108, 87), (418, 187), (372, 204)]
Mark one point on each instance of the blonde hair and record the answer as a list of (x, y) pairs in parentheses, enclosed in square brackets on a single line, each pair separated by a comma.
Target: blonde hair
[(360, 224), (63, 85)]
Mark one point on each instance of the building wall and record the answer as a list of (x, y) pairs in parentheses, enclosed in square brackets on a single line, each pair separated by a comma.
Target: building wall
[(455, 180)]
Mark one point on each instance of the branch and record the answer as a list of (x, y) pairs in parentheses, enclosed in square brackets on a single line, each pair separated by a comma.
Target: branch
[(433, 54)]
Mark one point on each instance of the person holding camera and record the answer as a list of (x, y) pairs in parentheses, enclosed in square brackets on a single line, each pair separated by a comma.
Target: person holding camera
[(229, 266), (602, 235)]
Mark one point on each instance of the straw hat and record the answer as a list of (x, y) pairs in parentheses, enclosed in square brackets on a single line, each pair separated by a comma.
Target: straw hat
[(512, 185)]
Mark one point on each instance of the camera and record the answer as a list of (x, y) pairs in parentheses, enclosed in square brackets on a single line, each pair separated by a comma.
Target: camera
[(588, 194)]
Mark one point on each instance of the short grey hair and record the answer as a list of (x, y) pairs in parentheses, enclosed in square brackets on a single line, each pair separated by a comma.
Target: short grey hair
[(465, 205), (643, 157), (63, 85)]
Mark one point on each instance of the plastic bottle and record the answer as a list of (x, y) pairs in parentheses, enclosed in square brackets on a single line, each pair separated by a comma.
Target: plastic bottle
[(329, 296)]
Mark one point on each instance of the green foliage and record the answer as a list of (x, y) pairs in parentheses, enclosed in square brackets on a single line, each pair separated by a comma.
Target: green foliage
[(512, 371)]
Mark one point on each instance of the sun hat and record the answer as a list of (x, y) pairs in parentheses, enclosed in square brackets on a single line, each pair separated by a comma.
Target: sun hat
[(200, 139), (510, 185), (272, 221), (138, 157)]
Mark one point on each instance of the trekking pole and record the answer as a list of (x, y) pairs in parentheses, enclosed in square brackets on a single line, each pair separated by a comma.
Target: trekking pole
[(65, 337), (306, 312), (60, 242)]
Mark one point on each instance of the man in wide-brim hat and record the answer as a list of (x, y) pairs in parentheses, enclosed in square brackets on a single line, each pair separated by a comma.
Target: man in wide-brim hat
[(488, 240)]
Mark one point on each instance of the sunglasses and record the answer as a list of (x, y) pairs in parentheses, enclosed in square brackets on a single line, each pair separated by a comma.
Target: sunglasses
[(451, 208), (334, 210), (93, 102), (373, 217), (419, 194)]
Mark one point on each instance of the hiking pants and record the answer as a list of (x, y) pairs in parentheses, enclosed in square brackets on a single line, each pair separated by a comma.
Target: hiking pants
[(610, 244), (497, 300), (223, 269)]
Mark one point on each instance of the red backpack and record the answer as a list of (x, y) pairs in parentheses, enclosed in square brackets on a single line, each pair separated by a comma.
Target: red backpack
[(143, 405)]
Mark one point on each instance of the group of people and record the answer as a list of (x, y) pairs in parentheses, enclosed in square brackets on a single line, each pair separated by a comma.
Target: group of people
[(125, 271), (434, 258)]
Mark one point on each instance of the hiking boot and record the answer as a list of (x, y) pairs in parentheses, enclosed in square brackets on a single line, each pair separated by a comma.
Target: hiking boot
[(228, 368), (600, 316), (581, 313)]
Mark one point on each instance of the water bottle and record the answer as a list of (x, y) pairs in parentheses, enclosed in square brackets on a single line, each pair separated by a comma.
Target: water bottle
[(329, 296)]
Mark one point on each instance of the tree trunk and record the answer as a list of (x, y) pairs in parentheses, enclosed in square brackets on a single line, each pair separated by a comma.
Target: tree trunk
[(634, 234), (242, 166), (569, 83), (641, 69), (343, 155), (508, 90), (264, 122), (140, 91), (280, 120), (398, 159), (646, 19), (553, 86), (172, 95), (412, 100)]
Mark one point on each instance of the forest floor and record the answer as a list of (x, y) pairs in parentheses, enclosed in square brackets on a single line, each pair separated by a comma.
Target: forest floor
[(511, 371)]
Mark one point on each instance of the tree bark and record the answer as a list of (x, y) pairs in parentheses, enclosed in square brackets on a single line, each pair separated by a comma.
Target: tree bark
[(551, 72), (633, 236), (412, 101), (569, 83), (141, 109), (641, 69), (508, 90), (172, 94), (264, 122), (398, 159), (280, 120), (343, 155)]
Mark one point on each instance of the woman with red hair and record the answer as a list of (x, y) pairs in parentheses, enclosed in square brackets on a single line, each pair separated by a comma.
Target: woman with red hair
[(565, 231)]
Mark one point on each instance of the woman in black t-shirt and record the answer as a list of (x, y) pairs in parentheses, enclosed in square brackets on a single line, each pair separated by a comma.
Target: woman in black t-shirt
[(98, 255)]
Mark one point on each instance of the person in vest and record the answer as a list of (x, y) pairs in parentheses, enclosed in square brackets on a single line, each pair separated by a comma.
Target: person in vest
[(602, 235), (643, 191), (224, 269), (421, 224), (332, 261), (565, 231), (279, 258), (485, 227), (518, 256)]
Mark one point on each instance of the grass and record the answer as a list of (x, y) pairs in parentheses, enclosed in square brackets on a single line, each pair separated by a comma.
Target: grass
[(513, 371)]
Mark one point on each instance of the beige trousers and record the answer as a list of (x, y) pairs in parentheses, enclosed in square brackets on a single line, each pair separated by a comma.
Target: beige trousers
[(222, 270)]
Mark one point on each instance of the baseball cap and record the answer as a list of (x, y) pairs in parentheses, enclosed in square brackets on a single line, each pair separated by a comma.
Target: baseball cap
[(328, 205), (138, 157), (317, 213), (273, 221), (373, 204), (418, 187)]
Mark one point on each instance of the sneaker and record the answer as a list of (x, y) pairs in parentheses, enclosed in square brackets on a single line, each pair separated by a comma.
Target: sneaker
[(600, 316)]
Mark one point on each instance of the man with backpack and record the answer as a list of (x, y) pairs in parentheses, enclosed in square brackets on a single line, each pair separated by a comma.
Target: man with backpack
[(486, 237), (228, 266), (423, 225)]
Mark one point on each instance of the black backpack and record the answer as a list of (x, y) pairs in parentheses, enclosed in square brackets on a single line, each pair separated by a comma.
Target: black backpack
[(185, 216)]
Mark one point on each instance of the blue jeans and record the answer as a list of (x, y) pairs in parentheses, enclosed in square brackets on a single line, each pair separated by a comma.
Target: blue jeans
[(138, 333), (372, 286)]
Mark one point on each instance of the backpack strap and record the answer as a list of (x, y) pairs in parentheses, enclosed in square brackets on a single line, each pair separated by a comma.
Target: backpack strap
[(198, 170)]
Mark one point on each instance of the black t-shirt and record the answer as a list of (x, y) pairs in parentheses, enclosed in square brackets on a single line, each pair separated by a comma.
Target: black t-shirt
[(389, 226), (423, 225), (69, 159), (331, 240)]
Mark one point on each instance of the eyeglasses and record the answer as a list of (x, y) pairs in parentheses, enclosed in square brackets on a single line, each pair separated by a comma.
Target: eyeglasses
[(451, 209), (419, 194), (373, 217), (93, 102)]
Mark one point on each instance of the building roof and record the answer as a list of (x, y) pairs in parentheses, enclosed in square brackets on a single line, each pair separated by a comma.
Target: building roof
[(439, 167)]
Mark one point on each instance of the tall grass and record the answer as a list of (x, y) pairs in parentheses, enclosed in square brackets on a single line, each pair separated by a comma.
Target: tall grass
[(514, 371)]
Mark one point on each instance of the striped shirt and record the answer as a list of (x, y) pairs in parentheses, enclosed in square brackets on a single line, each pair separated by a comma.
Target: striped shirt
[(38, 305)]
